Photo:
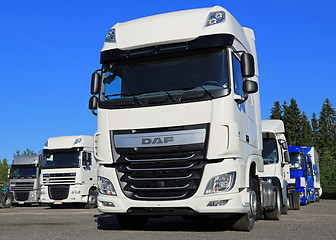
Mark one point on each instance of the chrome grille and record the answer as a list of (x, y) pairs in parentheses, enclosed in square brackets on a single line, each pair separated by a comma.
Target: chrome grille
[(22, 186), (160, 173), (59, 178)]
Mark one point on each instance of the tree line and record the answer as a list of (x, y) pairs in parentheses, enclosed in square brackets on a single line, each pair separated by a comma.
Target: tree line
[(318, 132), (4, 166)]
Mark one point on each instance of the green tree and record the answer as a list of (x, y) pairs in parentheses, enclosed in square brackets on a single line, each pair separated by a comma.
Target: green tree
[(4, 170), (24, 152), (305, 134), (276, 111), (314, 125), (291, 117)]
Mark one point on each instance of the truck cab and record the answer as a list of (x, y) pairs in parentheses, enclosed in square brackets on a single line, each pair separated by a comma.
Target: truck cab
[(298, 173), (178, 120), (69, 171), (276, 159), (25, 179)]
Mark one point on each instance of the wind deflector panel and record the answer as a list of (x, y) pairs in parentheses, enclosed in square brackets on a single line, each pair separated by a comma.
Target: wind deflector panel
[(210, 41)]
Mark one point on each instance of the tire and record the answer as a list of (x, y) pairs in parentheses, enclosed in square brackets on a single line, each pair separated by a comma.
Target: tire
[(92, 199), (245, 222), (296, 201), (317, 197), (128, 222), (275, 213), (290, 199), (7, 200), (284, 209)]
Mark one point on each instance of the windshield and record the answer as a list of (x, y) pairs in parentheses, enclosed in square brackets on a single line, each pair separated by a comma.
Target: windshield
[(175, 72), (270, 151), (61, 160), (23, 171), (295, 160)]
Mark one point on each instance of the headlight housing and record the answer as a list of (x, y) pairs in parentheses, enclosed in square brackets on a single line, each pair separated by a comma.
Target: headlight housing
[(221, 183), (105, 186)]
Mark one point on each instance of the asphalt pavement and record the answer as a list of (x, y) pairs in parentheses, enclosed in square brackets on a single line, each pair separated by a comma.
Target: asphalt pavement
[(315, 221)]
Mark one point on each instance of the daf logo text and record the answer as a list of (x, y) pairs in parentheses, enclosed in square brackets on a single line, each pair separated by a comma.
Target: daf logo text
[(157, 140)]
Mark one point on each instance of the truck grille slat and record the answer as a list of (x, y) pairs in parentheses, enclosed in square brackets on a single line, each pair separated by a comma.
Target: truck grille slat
[(59, 178)]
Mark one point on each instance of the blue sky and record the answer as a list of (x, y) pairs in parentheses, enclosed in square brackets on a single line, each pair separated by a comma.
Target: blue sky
[(49, 50)]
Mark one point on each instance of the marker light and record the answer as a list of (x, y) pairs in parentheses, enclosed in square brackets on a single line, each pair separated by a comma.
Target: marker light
[(221, 183), (111, 36), (215, 18), (78, 140)]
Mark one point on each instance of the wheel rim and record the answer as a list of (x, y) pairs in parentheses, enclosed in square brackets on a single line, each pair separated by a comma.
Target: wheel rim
[(253, 204)]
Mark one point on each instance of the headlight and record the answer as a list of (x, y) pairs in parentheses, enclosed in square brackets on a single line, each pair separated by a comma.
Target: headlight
[(215, 18), (106, 187), (221, 183)]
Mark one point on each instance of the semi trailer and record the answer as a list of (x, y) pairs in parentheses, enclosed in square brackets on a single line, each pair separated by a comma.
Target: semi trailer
[(276, 160), (313, 174), (69, 172), (178, 120), (25, 179)]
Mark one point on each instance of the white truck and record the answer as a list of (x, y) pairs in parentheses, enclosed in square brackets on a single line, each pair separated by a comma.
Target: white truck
[(69, 172), (178, 125), (276, 161), (24, 180)]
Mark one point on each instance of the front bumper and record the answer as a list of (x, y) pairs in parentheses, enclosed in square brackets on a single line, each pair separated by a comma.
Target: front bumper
[(72, 197)]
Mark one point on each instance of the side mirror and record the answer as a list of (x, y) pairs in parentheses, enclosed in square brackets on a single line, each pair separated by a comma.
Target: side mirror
[(95, 83), (287, 157), (8, 173), (283, 144), (315, 167), (93, 103), (247, 65), (315, 172), (250, 86)]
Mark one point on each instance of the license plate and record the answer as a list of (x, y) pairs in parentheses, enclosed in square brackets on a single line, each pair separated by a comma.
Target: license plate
[(58, 202)]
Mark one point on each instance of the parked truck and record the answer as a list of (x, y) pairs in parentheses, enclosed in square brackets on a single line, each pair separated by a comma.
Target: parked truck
[(69, 172), (25, 179), (313, 174), (178, 120), (298, 173), (276, 161)]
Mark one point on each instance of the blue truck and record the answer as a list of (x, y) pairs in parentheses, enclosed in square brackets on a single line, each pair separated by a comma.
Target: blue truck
[(298, 173)]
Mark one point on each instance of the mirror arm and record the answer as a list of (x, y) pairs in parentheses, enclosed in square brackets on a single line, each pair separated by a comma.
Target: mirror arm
[(94, 113), (240, 101)]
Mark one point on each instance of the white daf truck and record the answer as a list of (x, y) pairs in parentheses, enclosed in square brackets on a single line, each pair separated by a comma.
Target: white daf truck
[(276, 161), (25, 179), (178, 120), (69, 172)]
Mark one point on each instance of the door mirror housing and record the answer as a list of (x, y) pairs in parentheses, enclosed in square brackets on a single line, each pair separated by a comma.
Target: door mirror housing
[(250, 86), (247, 65), (315, 167), (95, 83), (287, 157), (93, 103), (315, 172)]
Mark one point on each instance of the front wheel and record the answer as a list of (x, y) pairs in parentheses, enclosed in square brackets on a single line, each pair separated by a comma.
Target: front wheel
[(7, 200), (276, 212), (245, 222), (92, 199)]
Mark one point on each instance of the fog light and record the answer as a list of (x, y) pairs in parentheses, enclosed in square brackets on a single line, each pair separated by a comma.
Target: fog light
[(217, 203), (301, 194), (108, 204)]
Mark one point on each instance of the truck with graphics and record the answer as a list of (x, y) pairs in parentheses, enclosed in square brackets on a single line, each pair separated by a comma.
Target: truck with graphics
[(69, 172), (178, 120), (313, 174), (298, 173), (276, 161), (25, 179)]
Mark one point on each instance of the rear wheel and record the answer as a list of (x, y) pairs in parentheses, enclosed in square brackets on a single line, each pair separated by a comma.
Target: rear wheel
[(245, 222), (132, 222), (275, 213)]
